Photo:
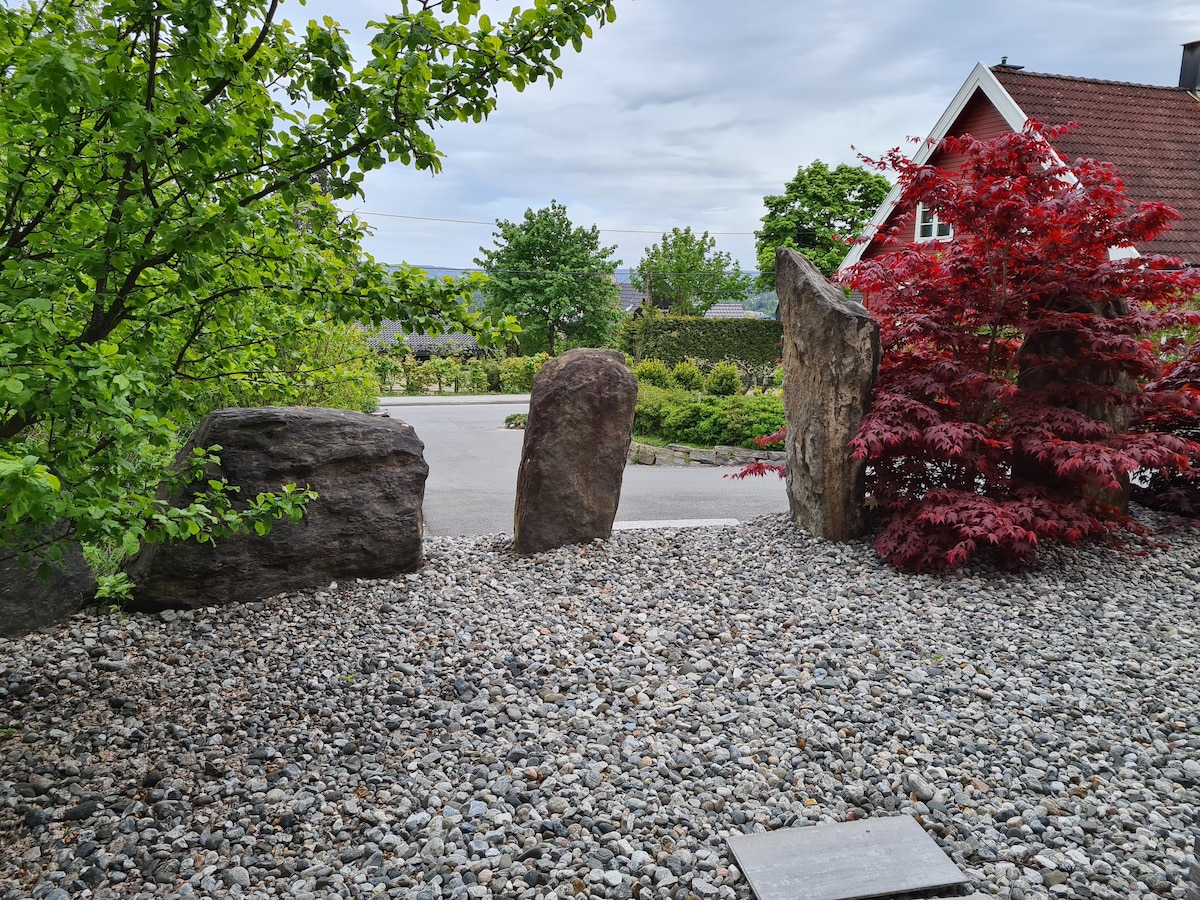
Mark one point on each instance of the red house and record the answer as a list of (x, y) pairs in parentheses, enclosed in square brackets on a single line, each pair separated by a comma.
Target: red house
[(1150, 133)]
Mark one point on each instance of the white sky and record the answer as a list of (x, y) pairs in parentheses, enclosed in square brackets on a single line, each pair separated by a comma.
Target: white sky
[(687, 112)]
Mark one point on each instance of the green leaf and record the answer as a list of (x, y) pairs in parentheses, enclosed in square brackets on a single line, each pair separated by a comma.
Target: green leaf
[(184, 252)]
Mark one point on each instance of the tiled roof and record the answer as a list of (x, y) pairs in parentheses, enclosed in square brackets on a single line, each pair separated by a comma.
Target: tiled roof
[(1151, 134), (726, 311), (630, 298)]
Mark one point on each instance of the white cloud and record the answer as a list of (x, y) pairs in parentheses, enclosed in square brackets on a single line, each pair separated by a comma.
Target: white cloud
[(687, 112)]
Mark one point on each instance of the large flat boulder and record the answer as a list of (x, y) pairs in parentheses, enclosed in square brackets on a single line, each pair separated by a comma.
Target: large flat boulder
[(369, 473), (576, 441), (28, 603), (831, 355)]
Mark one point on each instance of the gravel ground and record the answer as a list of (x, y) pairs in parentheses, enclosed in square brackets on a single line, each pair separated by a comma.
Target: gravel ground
[(596, 720)]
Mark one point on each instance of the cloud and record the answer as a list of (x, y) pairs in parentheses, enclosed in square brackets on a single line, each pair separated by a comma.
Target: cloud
[(688, 112)]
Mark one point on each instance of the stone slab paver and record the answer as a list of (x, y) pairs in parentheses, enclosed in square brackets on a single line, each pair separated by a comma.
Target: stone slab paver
[(844, 861)]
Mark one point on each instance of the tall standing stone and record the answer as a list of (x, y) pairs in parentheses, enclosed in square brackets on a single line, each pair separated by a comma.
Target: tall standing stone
[(576, 441), (1051, 363), (831, 355), (369, 473)]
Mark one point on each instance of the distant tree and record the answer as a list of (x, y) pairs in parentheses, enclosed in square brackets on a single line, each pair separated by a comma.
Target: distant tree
[(763, 302), (554, 278), (817, 212), (687, 274)]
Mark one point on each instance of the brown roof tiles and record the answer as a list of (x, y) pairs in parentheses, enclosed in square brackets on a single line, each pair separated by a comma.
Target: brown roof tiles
[(1151, 134)]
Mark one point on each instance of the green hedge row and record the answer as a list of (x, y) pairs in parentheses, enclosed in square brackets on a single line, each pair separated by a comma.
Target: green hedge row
[(673, 416), (675, 339)]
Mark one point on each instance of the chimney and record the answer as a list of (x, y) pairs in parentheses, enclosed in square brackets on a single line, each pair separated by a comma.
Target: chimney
[(1189, 72)]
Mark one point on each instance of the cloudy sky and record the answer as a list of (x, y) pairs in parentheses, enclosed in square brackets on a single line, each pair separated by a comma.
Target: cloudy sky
[(688, 112)]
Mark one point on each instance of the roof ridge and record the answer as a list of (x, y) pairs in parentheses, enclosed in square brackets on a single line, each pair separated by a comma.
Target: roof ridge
[(1009, 71)]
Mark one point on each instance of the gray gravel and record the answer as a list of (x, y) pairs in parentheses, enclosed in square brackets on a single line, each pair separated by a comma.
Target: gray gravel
[(596, 720)]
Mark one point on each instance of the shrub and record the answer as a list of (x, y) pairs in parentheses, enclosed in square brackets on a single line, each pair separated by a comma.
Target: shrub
[(1174, 492), (446, 371), (389, 370), (682, 417), (326, 364), (653, 406), (655, 372), (1014, 356), (750, 417), (688, 376), (488, 374), (703, 421), (516, 372), (475, 376), (674, 339), (417, 376), (724, 380)]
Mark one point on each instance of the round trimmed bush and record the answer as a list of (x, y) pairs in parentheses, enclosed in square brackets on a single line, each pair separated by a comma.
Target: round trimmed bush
[(655, 372), (688, 376), (724, 380)]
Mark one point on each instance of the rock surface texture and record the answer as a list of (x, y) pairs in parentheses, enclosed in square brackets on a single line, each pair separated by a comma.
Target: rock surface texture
[(369, 473), (580, 425), (422, 738), (831, 355), (28, 603)]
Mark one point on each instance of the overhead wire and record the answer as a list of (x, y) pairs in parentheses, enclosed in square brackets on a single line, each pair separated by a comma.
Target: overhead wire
[(492, 225)]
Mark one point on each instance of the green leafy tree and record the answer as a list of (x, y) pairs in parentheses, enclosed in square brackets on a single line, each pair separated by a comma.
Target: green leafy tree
[(554, 278), (818, 211), (168, 234), (686, 274)]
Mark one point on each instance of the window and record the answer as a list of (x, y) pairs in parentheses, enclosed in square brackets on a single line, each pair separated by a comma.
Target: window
[(929, 228)]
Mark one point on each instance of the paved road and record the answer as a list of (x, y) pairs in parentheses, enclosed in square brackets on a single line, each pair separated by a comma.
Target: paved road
[(473, 462)]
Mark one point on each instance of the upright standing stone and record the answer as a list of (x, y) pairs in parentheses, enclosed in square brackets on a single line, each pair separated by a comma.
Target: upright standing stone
[(576, 440), (1051, 363), (28, 603), (831, 355), (369, 473)]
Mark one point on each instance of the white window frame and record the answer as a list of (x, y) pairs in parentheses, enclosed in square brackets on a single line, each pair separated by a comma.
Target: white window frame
[(938, 230)]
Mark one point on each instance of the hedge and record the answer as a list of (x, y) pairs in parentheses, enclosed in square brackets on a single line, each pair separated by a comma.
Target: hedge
[(675, 339), (682, 417)]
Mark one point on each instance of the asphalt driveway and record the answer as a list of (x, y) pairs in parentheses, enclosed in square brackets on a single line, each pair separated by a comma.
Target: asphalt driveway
[(473, 461)]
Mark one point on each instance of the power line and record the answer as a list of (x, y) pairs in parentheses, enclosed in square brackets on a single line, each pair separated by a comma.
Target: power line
[(493, 224)]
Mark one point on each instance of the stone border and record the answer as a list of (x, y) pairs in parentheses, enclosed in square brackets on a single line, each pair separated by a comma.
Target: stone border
[(682, 455)]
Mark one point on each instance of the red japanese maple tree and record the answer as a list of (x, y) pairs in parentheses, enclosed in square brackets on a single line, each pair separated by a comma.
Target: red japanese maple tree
[(1016, 358)]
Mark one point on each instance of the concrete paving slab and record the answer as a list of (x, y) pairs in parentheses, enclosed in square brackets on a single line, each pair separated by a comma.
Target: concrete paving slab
[(844, 861)]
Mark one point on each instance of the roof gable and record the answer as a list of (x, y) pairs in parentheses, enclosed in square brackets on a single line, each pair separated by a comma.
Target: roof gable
[(1151, 134), (980, 81)]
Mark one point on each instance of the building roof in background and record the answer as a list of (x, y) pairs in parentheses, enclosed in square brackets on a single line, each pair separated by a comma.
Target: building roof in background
[(726, 311), (629, 298), (1150, 133)]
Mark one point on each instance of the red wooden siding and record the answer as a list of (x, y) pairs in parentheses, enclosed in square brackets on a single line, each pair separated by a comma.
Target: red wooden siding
[(980, 120)]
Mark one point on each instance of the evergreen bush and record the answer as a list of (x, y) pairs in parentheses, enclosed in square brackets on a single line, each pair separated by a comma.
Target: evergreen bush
[(724, 380), (655, 372), (676, 339), (688, 376)]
